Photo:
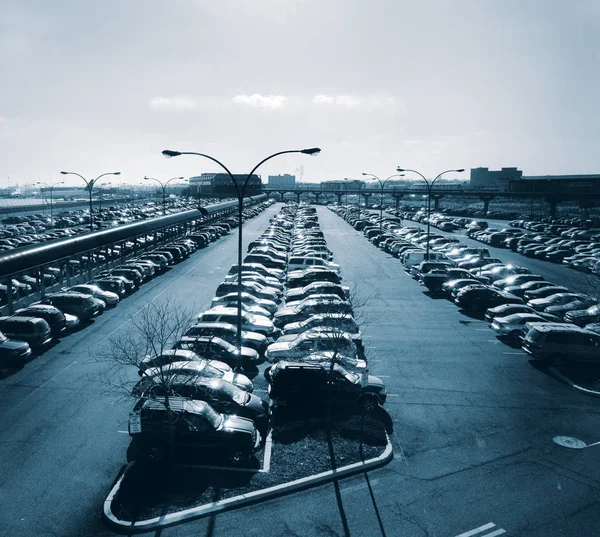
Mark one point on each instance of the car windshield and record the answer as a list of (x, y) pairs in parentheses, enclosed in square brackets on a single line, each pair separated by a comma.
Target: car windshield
[(3, 338)]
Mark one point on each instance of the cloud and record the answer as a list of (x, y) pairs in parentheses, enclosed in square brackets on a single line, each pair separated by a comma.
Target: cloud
[(323, 99), (338, 100), (261, 101), (173, 103), (351, 101)]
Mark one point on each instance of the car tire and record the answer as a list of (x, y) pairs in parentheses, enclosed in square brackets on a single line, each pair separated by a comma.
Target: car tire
[(369, 403)]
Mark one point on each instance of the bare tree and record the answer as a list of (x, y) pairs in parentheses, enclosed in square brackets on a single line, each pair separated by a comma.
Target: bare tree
[(152, 331)]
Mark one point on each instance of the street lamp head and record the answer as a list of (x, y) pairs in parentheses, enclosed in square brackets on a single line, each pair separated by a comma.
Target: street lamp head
[(313, 151), (116, 173), (400, 170), (65, 173), (363, 173), (460, 170), (169, 153)]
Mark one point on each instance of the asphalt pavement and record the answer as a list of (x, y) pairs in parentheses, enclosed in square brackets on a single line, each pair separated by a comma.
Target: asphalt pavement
[(473, 422)]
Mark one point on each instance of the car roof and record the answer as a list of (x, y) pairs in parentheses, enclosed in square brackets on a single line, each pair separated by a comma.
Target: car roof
[(557, 327)]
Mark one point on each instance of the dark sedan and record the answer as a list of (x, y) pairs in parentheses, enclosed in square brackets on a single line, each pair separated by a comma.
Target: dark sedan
[(482, 298)]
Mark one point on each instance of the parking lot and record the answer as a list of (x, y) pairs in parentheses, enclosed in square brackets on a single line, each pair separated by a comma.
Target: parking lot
[(473, 420)]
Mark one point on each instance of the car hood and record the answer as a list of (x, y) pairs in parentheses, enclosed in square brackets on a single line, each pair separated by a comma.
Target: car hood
[(72, 320), (286, 310), (375, 382), (279, 347), (248, 354), (235, 423), (13, 345)]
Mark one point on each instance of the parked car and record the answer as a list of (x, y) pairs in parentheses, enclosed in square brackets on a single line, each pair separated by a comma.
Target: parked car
[(247, 298), (541, 304), (545, 292), (319, 304), (503, 310), (33, 330), (558, 343), (309, 383), (317, 288), (252, 323), (192, 365), (215, 348), (13, 353), (295, 346), (305, 277), (482, 298), (114, 284), (108, 297), (303, 262), (512, 325), (218, 393), (85, 307), (228, 332), (55, 318), (197, 426), (582, 317)]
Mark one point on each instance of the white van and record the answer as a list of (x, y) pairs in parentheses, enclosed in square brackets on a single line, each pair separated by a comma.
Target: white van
[(414, 257), (301, 263)]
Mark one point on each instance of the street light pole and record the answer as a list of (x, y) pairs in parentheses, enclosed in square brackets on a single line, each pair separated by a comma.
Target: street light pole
[(429, 189), (51, 188), (240, 195), (382, 185), (90, 185), (164, 189)]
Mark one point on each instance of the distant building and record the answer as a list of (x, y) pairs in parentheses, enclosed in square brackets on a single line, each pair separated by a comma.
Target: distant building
[(557, 184), (282, 181), (485, 179), (220, 184), (201, 185)]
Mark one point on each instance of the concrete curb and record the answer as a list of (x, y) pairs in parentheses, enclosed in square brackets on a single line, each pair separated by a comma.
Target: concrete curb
[(568, 381), (172, 519)]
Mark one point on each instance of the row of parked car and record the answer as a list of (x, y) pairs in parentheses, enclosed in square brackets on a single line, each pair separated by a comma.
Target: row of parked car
[(575, 246), (39, 228), (312, 341), (34, 327), (552, 322)]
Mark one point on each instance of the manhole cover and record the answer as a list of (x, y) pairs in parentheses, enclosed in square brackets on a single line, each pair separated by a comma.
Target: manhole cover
[(569, 442)]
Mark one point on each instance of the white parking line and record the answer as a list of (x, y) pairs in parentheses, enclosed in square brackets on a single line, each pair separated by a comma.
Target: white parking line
[(393, 395), (266, 466), (481, 529), (516, 353), (123, 432)]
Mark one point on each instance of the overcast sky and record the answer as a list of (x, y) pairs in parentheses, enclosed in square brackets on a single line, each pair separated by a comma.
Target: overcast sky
[(433, 84)]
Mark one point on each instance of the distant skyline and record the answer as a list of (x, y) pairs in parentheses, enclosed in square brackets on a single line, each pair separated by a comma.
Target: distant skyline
[(96, 87)]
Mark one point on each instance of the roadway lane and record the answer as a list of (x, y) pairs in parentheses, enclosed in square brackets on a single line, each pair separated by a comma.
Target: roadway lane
[(62, 440), (473, 427)]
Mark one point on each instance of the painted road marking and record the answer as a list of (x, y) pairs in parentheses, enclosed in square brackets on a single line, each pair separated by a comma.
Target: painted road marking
[(479, 531), (266, 465), (123, 432), (516, 353)]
